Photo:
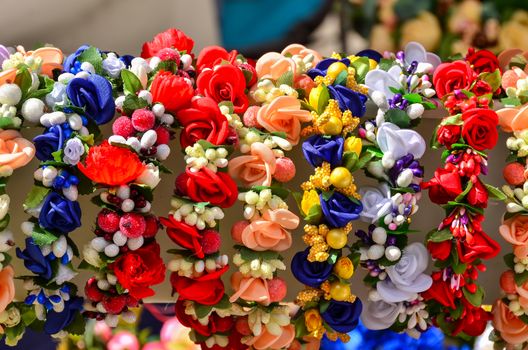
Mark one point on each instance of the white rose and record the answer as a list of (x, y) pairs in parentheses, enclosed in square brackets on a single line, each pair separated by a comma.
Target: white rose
[(113, 65), (57, 95), (376, 202), (406, 278), (73, 151), (150, 176), (380, 314)]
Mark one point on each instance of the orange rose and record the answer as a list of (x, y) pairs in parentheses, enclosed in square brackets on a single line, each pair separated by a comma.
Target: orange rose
[(284, 114), (266, 340), (15, 151), (511, 328), (515, 231), (7, 287), (513, 119), (256, 169), (272, 65)]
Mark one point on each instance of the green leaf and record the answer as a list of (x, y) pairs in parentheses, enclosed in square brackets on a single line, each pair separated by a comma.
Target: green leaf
[(474, 298), (131, 82), (314, 215), (413, 98), (363, 160), (92, 56), (493, 78), (7, 123), (57, 156), (510, 101), (386, 64), (24, 80), (35, 196), (520, 278), (461, 196), (3, 225), (362, 66), (341, 78), (333, 256), (42, 236), (132, 102), (323, 306), (495, 193), (459, 268), (440, 236), (398, 117), (452, 120), (286, 78), (202, 310), (350, 160), (324, 97), (509, 260)]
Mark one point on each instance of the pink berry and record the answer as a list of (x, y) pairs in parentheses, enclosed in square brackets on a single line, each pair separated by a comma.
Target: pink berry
[(108, 221), (143, 120), (250, 117), (152, 226), (114, 304), (277, 289), (132, 225), (123, 127), (514, 174), (285, 169), (236, 230), (210, 241), (168, 54), (163, 136)]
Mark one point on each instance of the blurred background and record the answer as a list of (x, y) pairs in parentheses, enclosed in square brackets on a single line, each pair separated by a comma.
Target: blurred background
[(254, 27)]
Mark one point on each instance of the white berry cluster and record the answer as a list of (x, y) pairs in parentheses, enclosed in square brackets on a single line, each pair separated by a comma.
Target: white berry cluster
[(276, 143), (46, 175), (10, 96), (233, 119), (213, 158), (196, 268), (273, 320), (194, 214), (266, 91), (255, 202), (258, 268), (110, 319), (517, 199), (519, 143)]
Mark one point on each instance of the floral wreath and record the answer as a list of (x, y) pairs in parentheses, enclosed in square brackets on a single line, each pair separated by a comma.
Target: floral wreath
[(401, 89), (459, 244)]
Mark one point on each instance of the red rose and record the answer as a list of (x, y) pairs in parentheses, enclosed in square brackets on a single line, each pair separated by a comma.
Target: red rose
[(440, 250), (224, 83), (440, 291), (480, 128), (473, 321), (171, 90), (481, 88), (478, 246), (448, 134), (216, 323), (207, 186), (184, 235), (482, 60), (444, 187), (138, 270), (203, 121), (212, 56), (478, 195), (207, 289), (171, 38), (452, 76)]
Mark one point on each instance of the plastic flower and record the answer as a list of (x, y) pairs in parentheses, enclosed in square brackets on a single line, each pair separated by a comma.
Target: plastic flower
[(111, 165)]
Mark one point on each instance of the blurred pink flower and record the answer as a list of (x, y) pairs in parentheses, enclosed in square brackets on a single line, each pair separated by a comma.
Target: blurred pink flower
[(123, 340)]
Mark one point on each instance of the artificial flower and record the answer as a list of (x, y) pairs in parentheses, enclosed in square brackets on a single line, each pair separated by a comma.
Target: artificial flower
[(250, 289), (376, 202), (212, 56), (478, 195), (452, 76), (34, 260), (444, 187), (73, 150), (349, 99), (207, 186), (339, 209), (58, 321), (267, 340), (440, 291), (262, 234), (447, 135), (184, 235), (207, 289), (318, 149), (343, 316), (48, 142), (7, 287), (216, 323), (440, 250), (309, 199), (272, 65), (171, 38), (94, 95), (399, 142), (512, 329), (380, 314), (59, 213), (310, 273), (171, 90), (482, 61), (15, 151), (480, 128), (513, 119), (515, 231), (256, 169)]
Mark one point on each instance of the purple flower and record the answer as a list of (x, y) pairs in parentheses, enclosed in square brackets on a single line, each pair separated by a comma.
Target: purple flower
[(318, 149), (339, 209), (34, 260), (310, 273), (94, 94), (343, 316), (47, 143)]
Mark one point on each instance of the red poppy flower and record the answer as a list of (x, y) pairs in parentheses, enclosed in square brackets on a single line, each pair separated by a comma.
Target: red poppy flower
[(110, 165), (171, 38)]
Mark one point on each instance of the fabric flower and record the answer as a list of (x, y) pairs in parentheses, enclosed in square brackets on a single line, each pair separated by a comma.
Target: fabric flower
[(399, 142), (480, 128), (138, 270), (57, 96), (50, 141), (444, 187), (113, 65), (481, 246), (207, 186), (59, 213), (451, 76), (515, 231), (69, 61), (272, 65), (171, 90), (349, 99), (256, 169), (171, 38), (339, 209), (513, 119), (381, 314), (184, 235), (406, 278), (478, 195), (440, 250), (73, 151), (224, 83), (215, 324), (482, 61), (415, 52), (267, 340), (34, 261), (440, 291), (512, 329), (309, 273), (342, 316), (376, 202), (58, 321), (212, 56), (111, 165), (322, 66), (207, 289), (202, 121), (15, 151), (473, 321), (448, 134), (7, 287), (250, 289), (94, 95), (284, 114), (318, 149)]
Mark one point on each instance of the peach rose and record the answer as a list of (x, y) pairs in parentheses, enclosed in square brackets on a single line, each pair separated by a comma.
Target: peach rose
[(15, 151), (507, 55), (249, 288), (513, 118), (272, 65), (522, 290), (284, 114), (266, 340), (302, 51), (511, 328), (256, 169), (510, 77), (7, 287), (515, 231), (51, 58)]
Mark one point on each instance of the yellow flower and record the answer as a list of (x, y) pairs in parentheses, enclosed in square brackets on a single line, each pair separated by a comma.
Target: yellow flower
[(312, 319), (353, 144), (309, 199), (344, 268)]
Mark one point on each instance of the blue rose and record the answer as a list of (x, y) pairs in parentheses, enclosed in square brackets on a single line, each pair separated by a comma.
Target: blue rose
[(349, 99), (310, 273), (127, 60), (47, 143), (69, 62), (339, 210), (318, 149), (372, 54), (94, 94), (59, 213), (322, 67), (34, 260), (342, 316), (57, 321)]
